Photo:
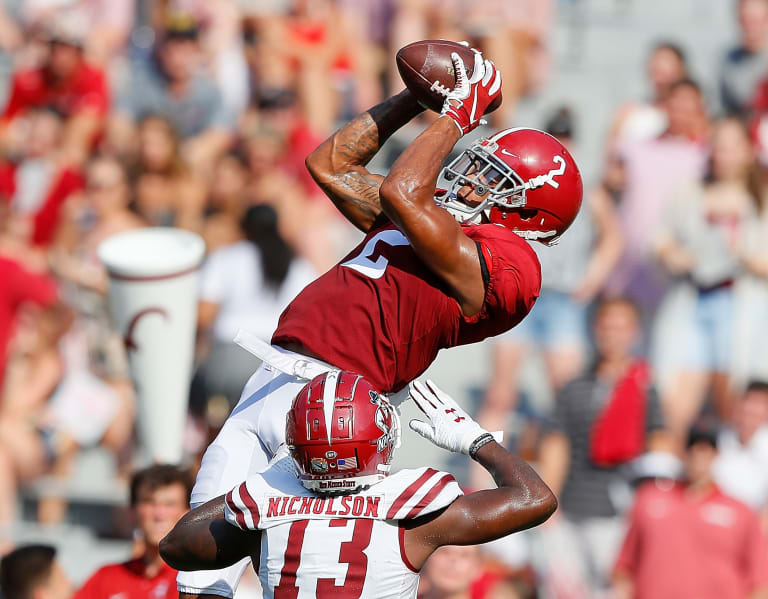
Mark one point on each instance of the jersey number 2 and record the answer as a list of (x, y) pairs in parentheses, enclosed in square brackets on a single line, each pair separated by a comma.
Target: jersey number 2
[(352, 552), (364, 262)]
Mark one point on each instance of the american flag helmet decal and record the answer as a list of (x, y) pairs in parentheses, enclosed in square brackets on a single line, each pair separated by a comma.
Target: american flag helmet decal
[(347, 463)]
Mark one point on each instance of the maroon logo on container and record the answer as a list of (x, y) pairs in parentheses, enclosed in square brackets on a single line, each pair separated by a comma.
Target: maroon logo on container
[(130, 344)]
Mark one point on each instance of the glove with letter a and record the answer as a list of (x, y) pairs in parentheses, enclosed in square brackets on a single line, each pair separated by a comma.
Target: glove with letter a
[(468, 101)]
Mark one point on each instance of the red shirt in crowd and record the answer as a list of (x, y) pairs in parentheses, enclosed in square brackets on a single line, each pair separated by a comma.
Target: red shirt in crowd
[(46, 220), (381, 310), (129, 581), (17, 286), (85, 89), (301, 143), (679, 545)]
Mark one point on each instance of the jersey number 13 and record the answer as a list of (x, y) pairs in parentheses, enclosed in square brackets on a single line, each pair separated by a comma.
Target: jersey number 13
[(352, 552)]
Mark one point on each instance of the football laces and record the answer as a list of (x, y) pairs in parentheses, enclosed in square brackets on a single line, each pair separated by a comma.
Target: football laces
[(440, 88)]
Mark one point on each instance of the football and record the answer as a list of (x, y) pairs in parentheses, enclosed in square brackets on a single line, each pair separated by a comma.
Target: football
[(426, 64)]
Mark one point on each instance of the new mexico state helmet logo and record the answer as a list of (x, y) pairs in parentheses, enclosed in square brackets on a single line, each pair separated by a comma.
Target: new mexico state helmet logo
[(384, 420)]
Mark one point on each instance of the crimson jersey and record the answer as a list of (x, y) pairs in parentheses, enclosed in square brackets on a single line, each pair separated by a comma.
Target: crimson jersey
[(129, 580), (382, 312)]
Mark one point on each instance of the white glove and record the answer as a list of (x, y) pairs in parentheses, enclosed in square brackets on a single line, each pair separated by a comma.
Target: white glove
[(469, 100), (449, 426)]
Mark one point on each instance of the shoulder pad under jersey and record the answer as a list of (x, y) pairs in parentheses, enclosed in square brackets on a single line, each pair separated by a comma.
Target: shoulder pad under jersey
[(276, 496)]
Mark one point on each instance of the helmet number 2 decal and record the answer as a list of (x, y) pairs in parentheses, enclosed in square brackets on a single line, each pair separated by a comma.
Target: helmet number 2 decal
[(370, 262), (548, 178)]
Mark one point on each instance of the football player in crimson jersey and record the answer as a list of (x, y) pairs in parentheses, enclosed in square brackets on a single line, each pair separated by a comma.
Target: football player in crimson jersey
[(431, 273), (326, 519)]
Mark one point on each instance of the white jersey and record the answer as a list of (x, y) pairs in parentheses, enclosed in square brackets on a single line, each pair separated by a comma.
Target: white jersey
[(249, 438), (345, 547)]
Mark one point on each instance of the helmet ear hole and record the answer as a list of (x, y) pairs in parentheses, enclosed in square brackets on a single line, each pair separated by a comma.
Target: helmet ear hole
[(527, 213)]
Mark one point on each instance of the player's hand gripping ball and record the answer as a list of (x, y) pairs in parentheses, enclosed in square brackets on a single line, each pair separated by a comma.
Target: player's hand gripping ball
[(428, 71), (469, 100)]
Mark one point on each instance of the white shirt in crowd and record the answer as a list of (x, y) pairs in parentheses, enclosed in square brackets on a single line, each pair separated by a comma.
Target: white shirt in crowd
[(741, 471), (233, 278)]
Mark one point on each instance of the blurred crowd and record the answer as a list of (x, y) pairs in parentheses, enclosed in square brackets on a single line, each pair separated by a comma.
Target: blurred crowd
[(650, 418)]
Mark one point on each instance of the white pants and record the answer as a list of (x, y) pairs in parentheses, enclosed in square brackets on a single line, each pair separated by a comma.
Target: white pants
[(246, 443)]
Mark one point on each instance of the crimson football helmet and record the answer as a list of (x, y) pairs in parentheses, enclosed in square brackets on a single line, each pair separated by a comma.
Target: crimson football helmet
[(534, 186), (341, 433)]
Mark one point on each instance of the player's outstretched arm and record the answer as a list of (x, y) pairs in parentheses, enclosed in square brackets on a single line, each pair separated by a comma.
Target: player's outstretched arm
[(204, 540), (522, 499), (338, 164), (407, 193)]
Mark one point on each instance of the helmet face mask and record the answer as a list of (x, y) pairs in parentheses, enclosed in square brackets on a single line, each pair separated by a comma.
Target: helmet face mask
[(352, 453), (528, 182), (486, 174)]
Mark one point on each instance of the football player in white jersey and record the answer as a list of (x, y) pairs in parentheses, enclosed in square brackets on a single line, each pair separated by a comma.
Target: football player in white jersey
[(326, 519)]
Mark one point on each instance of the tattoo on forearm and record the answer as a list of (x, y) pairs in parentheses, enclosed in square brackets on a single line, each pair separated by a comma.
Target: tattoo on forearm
[(359, 190), (355, 191), (358, 140), (351, 189)]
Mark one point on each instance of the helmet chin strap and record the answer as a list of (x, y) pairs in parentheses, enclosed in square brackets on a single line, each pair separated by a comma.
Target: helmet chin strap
[(537, 235), (475, 219), (464, 217)]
